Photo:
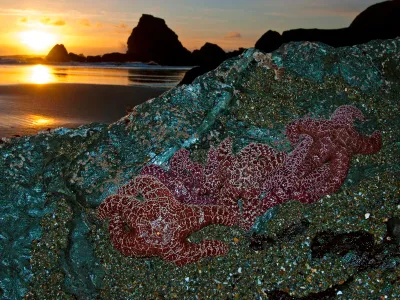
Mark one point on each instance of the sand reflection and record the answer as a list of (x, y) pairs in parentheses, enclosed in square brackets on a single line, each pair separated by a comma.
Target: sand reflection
[(40, 74)]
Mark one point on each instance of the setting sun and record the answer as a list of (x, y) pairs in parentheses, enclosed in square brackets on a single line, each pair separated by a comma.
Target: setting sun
[(37, 40)]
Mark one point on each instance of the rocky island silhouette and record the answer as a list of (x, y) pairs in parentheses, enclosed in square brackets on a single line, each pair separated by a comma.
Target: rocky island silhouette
[(153, 41)]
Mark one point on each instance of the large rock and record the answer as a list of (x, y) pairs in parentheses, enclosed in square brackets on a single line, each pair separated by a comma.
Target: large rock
[(53, 246), (209, 55), (207, 58), (193, 73), (114, 57), (235, 53), (58, 54), (269, 41), (152, 40), (332, 37), (383, 17), (93, 59), (76, 58), (379, 21)]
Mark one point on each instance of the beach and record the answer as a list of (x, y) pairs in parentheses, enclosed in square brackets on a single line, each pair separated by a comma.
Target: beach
[(26, 109)]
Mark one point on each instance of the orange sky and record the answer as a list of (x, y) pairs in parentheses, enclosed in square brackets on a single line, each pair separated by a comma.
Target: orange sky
[(97, 27)]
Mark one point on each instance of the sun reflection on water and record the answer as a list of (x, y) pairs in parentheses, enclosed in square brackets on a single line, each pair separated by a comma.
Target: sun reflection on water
[(38, 120), (40, 75)]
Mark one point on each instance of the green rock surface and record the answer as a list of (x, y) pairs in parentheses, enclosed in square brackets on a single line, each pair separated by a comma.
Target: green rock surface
[(53, 247)]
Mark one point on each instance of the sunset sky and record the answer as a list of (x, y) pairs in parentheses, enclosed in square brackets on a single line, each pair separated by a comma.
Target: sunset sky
[(97, 27)]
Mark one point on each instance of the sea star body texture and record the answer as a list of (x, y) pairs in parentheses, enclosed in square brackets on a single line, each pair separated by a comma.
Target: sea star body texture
[(327, 160), (231, 189), (159, 225)]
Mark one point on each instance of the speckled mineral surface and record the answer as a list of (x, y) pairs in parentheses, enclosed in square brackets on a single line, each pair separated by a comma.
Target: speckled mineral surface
[(52, 246)]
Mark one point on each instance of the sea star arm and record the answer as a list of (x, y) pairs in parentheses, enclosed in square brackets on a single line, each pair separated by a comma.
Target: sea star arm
[(156, 171), (210, 181), (147, 186), (191, 252), (127, 240), (120, 238), (252, 209), (346, 114), (283, 182), (216, 214), (183, 169), (368, 144), (328, 178), (344, 117), (112, 205)]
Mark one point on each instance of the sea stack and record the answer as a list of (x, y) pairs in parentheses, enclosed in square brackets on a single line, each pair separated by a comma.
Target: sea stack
[(153, 40), (58, 54)]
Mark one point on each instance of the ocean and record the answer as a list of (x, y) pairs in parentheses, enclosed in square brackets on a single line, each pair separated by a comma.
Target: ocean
[(126, 74), (42, 97)]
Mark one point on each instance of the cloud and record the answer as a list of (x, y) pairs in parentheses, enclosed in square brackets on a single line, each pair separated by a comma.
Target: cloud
[(23, 20), (18, 12), (49, 22), (122, 29), (35, 17), (59, 23), (331, 11), (85, 22), (121, 26), (233, 35), (91, 25), (276, 14)]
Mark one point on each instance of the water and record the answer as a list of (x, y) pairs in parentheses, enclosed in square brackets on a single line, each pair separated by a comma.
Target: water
[(128, 74), (39, 97)]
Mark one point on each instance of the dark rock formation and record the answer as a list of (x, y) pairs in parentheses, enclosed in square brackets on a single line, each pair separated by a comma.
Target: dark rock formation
[(210, 55), (332, 37), (269, 41), (114, 57), (193, 73), (58, 54), (235, 53), (93, 59), (379, 21), (382, 16), (77, 58), (341, 243), (152, 40), (207, 58)]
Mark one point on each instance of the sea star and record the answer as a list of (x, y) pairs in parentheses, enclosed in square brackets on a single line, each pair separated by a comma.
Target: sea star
[(224, 179), (241, 177), (317, 166), (193, 183), (159, 225), (231, 189), (325, 154), (184, 178)]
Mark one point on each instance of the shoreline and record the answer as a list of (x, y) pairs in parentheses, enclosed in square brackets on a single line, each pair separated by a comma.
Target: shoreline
[(26, 109)]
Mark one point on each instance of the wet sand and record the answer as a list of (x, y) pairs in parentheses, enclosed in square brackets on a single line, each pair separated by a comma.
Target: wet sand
[(27, 108)]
